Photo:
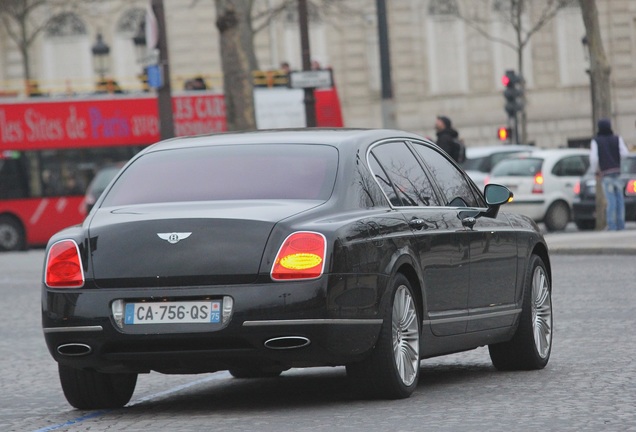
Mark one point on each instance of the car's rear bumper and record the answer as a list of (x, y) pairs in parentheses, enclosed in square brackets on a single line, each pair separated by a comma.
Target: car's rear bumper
[(329, 321), (585, 210)]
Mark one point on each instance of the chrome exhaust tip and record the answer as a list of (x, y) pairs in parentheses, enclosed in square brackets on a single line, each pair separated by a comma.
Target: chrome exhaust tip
[(287, 342), (74, 349)]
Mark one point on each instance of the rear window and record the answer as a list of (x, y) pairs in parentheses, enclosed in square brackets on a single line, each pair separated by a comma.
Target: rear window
[(628, 165), (233, 172), (521, 167)]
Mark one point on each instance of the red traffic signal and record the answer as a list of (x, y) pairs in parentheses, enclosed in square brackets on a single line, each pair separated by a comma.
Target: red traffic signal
[(505, 80), (503, 133)]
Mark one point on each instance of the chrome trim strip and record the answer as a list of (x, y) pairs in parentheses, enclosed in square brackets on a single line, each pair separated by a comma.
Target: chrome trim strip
[(72, 329), (311, 322), (472, 317)]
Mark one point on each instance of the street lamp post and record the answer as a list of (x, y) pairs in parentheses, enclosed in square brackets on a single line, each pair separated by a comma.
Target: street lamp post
[(153, 53), (101, 57)]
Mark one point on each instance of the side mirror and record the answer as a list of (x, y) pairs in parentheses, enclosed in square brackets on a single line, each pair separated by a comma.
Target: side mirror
[(497, 195)]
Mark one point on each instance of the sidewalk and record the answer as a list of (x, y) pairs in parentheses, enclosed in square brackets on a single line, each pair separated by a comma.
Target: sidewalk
[(593, 242)]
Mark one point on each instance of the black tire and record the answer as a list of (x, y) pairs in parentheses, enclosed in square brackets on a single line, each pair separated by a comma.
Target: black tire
[(87, 389), (557, 216), (585, 225), (255, 372), (392, 369), (11, 234), (531, 345)]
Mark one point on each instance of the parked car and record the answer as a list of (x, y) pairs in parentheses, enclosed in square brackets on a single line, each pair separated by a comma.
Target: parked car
[(543, 183), (257, 252), (480, 160), (584, 205), (97, 186)]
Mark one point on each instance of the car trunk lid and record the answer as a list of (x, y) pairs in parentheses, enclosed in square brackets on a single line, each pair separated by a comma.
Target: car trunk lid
[(185, 243)]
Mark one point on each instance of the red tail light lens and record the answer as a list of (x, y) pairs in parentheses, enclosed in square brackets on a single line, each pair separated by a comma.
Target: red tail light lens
[(630, 189), (302, 256), (577, 188), (64, 266), (538, 183)]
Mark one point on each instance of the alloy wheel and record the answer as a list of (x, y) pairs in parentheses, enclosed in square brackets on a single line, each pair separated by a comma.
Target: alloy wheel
[(541, 312), (406, 337)]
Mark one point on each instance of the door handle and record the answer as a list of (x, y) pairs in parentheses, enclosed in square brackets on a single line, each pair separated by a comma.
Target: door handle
[(469, 222), (418, 224)]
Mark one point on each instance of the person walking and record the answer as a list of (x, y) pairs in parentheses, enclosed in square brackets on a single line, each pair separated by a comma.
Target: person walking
[(606, 151), (447, 137)]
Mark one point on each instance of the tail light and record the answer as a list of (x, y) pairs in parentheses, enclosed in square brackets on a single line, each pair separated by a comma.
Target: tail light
[(302, 256), (538, 183), (486, 180), (630, 188), (64, 266), (577, 188)]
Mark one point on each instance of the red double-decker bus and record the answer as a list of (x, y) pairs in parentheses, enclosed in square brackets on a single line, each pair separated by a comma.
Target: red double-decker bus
[(50, 150)]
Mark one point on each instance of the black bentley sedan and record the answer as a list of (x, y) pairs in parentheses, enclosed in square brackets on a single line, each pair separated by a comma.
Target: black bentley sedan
[(261, 251)]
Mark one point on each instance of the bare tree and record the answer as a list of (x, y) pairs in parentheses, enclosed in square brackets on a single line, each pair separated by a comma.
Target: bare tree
[(238, 21), (233, 19), (24, 20), (600, 82), (516, 15), (19, 20)]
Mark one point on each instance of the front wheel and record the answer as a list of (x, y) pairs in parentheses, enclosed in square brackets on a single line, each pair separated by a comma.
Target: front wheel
[(531, 344), (88, 389), (392, 370)]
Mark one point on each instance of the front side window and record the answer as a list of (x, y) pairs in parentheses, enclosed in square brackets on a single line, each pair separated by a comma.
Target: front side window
[(411, 186), (233, 172), (454, 185)]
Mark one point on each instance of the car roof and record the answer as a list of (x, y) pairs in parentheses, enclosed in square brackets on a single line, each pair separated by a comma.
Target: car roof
[(337, 137), (475, 152), (558, 152)]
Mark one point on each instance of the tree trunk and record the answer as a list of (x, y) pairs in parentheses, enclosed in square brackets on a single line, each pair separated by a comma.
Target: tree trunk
[(600, 82), (238, 62)]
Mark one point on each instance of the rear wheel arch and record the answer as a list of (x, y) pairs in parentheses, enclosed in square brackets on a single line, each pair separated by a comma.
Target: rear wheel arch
[(411, 274), (541, 250)]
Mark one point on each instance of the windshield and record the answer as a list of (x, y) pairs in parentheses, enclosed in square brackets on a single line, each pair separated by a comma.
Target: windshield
[(518, 167), (233, 172)]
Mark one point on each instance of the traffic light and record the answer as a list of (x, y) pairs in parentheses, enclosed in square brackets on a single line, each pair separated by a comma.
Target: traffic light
[(503, 133), (513, 93)]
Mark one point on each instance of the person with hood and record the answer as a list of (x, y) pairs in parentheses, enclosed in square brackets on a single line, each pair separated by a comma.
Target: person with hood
[(606, 152), (447, 137)]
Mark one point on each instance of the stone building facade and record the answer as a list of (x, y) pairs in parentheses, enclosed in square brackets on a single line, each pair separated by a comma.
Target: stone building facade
[(440, 63)]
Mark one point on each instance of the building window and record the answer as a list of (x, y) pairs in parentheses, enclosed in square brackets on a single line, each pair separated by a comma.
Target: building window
[(443, 7), (65, 24)]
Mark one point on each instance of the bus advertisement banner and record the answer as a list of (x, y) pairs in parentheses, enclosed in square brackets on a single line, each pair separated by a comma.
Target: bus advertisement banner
[(68, 123)]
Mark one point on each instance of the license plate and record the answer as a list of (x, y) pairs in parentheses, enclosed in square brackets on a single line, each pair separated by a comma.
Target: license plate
[(183, 312)]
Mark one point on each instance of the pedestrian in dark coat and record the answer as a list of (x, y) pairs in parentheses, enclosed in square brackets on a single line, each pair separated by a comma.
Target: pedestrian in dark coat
[(447, 137)]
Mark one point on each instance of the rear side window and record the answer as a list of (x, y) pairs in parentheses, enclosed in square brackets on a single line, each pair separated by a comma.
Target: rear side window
[(233, 172), (522, 167), (401, 176), (571, 166)]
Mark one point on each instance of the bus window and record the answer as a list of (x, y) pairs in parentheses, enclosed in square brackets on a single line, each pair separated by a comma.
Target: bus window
[(13, 179)]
